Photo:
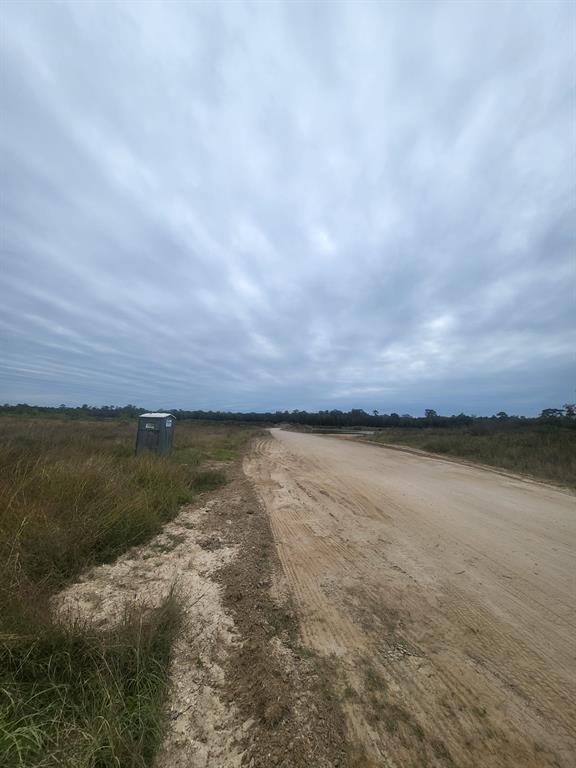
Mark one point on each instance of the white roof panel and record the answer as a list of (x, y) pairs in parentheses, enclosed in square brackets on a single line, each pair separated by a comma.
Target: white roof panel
[(156, 415)]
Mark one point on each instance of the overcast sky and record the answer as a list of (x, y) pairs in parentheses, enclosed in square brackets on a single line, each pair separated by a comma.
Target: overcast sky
[(288, 205)]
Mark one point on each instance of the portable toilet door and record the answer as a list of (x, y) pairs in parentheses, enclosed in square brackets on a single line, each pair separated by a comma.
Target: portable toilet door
[(155, 433)]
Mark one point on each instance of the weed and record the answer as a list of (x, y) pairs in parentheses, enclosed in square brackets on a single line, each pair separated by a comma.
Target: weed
[(372, 680), (208, 480), (441, 751)]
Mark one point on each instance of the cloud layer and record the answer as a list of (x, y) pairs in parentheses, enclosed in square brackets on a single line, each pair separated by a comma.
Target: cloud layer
[(288, 205)]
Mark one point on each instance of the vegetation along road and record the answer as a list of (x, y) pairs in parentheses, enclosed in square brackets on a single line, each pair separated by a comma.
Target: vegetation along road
[(445, 594)]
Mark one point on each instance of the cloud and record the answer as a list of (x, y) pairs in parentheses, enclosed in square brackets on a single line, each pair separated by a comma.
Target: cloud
[(270, 205)]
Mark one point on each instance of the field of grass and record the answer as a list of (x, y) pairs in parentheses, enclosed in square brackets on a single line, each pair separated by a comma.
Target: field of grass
[(72, 494), (543, 452)]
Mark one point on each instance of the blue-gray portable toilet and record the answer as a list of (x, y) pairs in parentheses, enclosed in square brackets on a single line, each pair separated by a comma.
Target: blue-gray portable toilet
[(155, 433)]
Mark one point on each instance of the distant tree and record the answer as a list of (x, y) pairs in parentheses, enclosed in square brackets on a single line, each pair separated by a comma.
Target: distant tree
[(501, 415), (430, 413), (570, 410), (375, 412), (552, 413)]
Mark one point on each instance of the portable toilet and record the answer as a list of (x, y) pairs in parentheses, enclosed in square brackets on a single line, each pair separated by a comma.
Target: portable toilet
[(155, 433)]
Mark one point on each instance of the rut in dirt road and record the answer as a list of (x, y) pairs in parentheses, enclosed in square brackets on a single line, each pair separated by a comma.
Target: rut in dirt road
[(446, 592)]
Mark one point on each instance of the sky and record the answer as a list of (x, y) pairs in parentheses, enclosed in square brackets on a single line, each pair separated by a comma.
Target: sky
[(313, 205)]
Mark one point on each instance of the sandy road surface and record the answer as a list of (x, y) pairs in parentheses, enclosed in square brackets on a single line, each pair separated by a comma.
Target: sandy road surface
[(446, 593)]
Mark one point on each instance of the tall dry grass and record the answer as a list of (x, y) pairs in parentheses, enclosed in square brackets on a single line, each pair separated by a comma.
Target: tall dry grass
[(543, 452)]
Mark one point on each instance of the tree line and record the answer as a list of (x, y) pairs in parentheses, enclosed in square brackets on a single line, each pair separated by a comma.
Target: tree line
[(355, 418)]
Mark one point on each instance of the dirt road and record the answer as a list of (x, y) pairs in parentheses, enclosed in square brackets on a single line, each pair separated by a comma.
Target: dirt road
[(446, 593)]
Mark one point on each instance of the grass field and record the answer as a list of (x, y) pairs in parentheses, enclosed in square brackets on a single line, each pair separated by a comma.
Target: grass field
[(72, 494), (544, 452)]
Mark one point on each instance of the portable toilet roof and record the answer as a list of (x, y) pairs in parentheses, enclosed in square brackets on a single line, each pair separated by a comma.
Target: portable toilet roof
[(156, 415)]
